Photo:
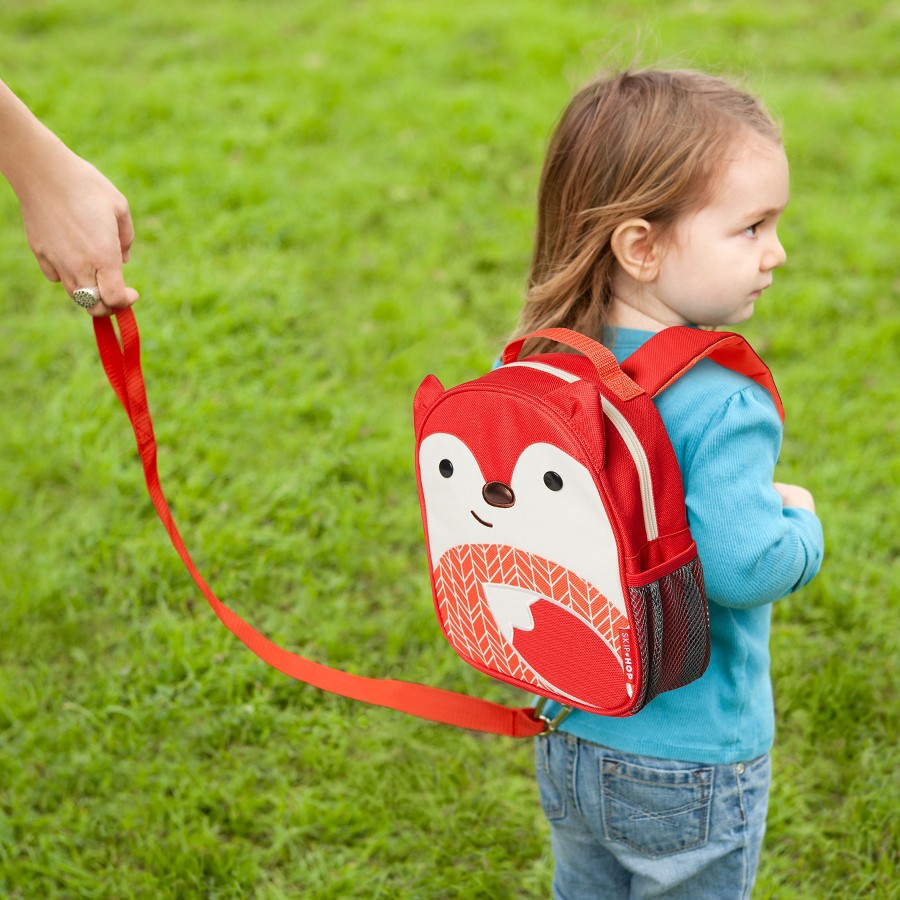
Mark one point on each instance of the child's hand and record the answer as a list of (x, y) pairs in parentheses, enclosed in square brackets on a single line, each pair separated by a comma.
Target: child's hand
[(794, 495)]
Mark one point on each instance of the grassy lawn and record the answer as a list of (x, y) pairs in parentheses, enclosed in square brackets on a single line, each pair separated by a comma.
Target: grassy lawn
[(333, 199)]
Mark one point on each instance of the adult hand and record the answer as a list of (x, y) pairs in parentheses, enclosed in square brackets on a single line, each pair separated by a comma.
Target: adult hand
[(77, 222), (79, 228)]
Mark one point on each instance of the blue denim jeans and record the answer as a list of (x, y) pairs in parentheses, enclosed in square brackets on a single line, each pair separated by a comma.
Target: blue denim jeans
[(627, 826)]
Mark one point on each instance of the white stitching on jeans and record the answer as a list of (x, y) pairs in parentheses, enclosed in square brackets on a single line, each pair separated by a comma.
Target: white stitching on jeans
[(745, 854), (574, 750)]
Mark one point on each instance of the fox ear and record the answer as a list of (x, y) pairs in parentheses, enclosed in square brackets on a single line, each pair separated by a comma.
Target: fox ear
[(580, 405), (426, 396), (579, 399)]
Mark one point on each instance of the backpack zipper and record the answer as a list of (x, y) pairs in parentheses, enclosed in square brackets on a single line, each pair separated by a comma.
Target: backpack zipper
[(630, 439)]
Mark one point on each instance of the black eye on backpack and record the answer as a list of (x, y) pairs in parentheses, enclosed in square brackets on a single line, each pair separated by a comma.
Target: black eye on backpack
[(553, 481)]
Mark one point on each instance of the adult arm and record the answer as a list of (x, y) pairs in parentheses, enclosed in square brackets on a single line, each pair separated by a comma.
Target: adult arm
[(77, 223)]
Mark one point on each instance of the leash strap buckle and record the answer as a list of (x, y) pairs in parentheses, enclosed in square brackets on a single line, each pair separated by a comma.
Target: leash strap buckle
[(550, 725)]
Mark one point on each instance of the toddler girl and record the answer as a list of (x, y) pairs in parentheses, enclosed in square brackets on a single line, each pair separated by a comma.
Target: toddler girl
[(658, 206)]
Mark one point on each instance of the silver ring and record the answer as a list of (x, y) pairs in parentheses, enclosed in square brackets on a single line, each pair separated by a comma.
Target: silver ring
[(87, 297)]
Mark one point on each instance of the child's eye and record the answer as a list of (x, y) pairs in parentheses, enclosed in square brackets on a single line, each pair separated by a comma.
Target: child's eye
[(751, 230)]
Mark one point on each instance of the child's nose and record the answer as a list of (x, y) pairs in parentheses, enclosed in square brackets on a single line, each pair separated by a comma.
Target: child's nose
[(774, 257)]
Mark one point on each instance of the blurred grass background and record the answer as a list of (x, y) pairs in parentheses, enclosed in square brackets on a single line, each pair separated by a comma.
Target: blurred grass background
[(333, 199)]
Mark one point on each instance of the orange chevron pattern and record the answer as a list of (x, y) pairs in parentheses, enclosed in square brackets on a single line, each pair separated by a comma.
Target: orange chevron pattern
[(467, 620)]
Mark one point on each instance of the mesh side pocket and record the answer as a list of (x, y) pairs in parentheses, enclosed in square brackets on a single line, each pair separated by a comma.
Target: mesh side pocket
[(677, 619), (646, 614)]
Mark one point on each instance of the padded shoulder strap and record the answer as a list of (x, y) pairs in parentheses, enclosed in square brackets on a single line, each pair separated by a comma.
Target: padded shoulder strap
[(674, 351)]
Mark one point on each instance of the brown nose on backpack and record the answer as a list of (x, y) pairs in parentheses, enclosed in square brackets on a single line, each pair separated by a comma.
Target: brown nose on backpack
[(498, 494)]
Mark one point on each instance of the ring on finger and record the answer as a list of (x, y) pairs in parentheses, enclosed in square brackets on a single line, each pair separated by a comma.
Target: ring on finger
[(86, 297)]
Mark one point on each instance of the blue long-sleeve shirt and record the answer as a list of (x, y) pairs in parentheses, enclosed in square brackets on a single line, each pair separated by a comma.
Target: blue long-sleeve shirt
[(727, 436)]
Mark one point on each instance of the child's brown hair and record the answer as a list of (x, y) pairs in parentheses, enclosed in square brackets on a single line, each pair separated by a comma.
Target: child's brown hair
[(647, 144)]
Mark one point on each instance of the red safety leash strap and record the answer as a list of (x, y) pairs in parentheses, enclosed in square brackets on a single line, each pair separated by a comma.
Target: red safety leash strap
[(122, 364)]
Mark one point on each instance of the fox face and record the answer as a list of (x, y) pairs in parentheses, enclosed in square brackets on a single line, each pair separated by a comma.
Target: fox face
[(525, 562), (550, 508)]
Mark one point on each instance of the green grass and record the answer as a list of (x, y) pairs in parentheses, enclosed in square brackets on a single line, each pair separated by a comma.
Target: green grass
[(331, 200)]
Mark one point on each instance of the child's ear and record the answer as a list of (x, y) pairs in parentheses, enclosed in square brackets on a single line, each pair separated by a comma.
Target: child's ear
[(637, 250)]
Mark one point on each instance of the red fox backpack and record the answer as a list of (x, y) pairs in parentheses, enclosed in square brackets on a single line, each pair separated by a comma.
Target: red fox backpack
[(554, 514), (553, 509)]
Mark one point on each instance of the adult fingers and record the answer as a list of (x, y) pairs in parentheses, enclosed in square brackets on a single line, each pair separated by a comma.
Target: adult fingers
[(126, 229), (114, 293), (47, 268), (102, 310)]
